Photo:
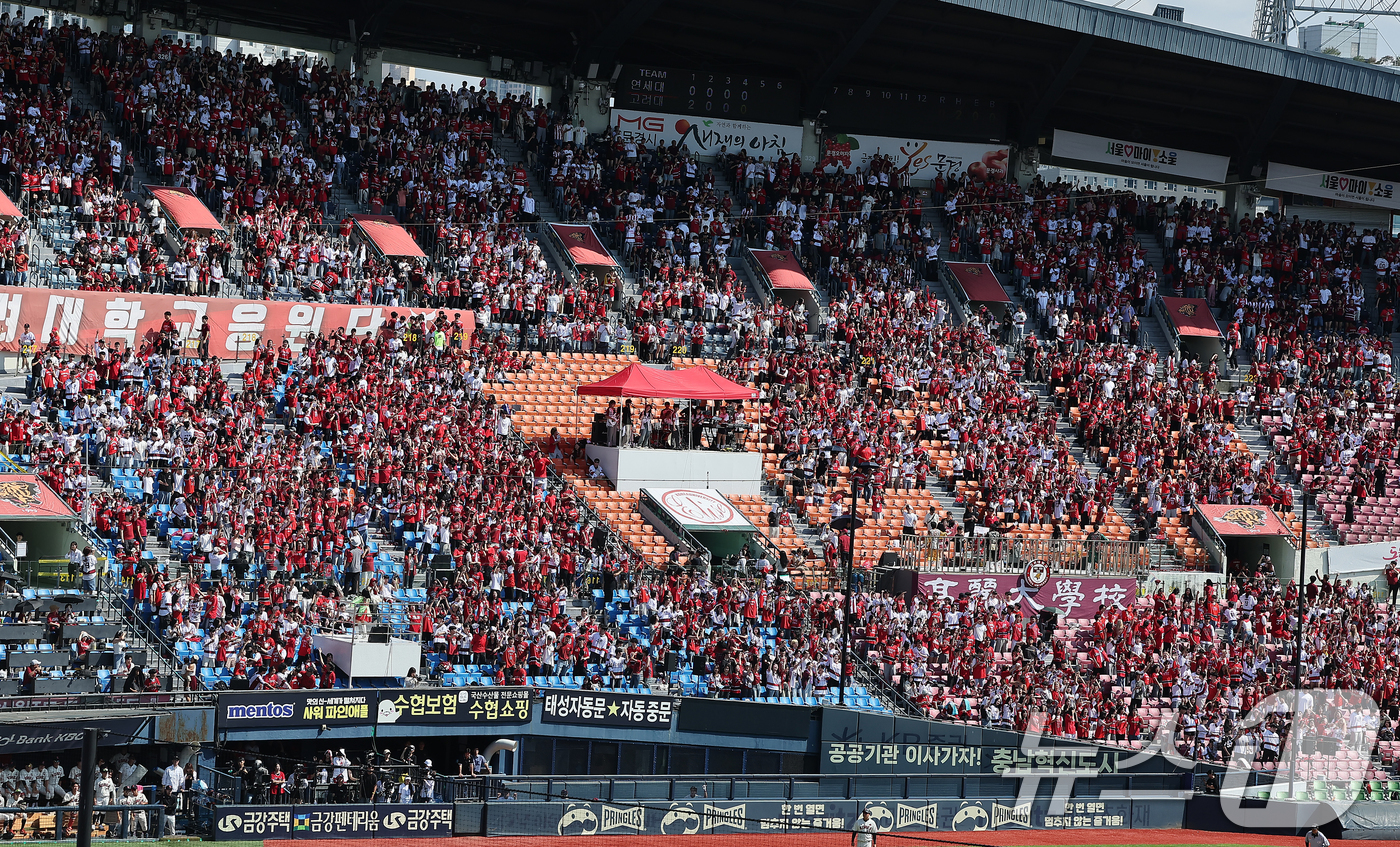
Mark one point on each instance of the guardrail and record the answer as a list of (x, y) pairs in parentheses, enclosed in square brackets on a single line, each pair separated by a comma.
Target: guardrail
[(1009, 554), (66, 702), (67, 816)]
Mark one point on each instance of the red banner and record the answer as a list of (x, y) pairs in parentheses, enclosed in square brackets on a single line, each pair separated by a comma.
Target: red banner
[(1191, 316), (235, 326), (24, 495)]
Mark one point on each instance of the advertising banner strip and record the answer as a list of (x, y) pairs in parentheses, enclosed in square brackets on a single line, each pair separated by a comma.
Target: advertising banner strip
[(697, 816), (348, 820), (251, 710), (920, 161), (80, 318), (603, 708), (1168, 162), (1333, 185), (705, 136)]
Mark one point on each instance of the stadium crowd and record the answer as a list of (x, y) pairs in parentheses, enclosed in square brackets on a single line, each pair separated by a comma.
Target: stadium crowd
[(278, 487)]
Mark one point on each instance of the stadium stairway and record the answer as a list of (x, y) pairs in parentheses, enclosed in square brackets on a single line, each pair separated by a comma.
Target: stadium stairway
[(514, 152), (1321, 533), (84, 97)]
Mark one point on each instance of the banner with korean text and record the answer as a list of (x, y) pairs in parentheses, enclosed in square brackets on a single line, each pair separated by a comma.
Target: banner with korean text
[(80, 318), (704, 136), (1363, 559), (920, 160), (1333, 185), (1072, 596), (1166, 162), (333, 821)]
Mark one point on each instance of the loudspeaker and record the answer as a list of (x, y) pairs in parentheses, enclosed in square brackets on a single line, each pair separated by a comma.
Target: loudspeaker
[(238, 683), (600, 429), (379, 634), (889, 560), (600, 539)]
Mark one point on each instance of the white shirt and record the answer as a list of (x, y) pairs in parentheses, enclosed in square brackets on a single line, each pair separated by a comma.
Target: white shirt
[(865, 833)]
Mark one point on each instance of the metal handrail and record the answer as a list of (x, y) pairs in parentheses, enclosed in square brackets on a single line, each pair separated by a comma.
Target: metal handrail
[(50, 702), (894, 699), (591, 517)]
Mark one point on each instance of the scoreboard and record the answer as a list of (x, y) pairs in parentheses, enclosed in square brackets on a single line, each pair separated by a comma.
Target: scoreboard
[(732, 96), (917, 114)]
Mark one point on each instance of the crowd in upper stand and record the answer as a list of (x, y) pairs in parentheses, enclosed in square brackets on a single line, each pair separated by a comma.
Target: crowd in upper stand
[(279, 488)]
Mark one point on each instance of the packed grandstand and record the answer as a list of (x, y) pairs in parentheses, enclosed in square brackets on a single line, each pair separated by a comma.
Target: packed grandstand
[(428, 477)]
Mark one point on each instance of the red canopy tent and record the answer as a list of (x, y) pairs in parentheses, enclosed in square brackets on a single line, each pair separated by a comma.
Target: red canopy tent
[(698, 383), (8, 209), (185, 209), (388, 237), (701, 383)]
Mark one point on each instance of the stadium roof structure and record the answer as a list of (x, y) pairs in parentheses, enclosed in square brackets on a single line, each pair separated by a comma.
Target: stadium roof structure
[(1055, 63)]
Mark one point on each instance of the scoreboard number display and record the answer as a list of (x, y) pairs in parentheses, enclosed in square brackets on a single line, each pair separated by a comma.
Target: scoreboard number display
[(918, 114), (730, 96)]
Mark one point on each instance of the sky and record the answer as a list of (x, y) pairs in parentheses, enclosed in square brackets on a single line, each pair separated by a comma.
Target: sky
[(1237, 16)]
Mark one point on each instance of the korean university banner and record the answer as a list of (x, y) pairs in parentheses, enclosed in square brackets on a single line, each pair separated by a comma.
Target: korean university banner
[(1167, 162), (1073, 596), (235, 326), (1333, 185), (922, 161), (704, 136)]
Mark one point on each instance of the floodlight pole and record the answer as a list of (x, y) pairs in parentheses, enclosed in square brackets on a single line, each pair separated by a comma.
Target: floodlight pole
[(850, 558), (1294, 741)]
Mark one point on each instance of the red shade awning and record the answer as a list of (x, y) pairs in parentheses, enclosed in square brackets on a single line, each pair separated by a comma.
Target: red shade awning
[(28, 496), (690, 384), (388, 237), (185, 209), (1242, 520), (1191, 316), (783, 270), (8, 209), (978, 282), (585, 250)]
